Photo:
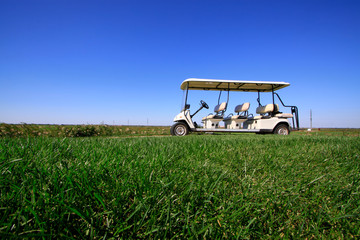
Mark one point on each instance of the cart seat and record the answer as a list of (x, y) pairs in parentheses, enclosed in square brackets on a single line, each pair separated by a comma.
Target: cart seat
[(219, 112), (235, 121), (241, 110)]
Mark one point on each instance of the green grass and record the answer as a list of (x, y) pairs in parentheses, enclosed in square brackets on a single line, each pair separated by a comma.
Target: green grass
[(198, 186)]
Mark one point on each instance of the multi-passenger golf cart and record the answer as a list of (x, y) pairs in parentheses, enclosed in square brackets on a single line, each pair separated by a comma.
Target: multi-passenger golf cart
[(269, 120)]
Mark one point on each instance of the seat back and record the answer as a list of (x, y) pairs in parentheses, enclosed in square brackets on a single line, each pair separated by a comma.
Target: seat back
[(267, 109), (242, 108), (220, 108)]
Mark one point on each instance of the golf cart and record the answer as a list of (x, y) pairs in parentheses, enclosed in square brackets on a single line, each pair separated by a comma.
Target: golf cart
[(268, 120)]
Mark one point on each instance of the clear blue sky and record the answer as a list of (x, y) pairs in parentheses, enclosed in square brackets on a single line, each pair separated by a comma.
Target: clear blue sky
[(68, 61)]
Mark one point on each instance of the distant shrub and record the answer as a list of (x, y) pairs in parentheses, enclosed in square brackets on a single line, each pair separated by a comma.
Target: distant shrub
[(32, 130), (81, 131)]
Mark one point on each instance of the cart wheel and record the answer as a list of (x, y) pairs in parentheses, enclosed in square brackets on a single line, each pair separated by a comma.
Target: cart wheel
[(179, 129), (282, 129)]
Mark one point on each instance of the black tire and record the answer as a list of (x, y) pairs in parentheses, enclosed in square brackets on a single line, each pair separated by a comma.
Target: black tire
[(179, 129), (282, 129)]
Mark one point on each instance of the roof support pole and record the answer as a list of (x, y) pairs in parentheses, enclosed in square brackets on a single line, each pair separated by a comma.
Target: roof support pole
[(187, 91), (227, 102), (219, 97), (258, 99), (272, 92)]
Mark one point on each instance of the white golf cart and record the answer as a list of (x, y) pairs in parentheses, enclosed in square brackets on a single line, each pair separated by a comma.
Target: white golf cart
[(268, 120)]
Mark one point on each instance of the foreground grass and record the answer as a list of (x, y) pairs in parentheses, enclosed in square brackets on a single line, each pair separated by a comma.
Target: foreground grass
[(231, 186)]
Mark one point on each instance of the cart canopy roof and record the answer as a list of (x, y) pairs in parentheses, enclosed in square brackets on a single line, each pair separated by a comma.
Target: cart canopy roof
[(232, 85)]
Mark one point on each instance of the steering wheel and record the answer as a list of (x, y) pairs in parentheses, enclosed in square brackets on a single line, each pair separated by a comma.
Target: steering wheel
[(204, 104)]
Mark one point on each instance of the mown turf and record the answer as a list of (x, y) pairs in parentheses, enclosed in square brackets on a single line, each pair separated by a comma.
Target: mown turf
[(227, 186)]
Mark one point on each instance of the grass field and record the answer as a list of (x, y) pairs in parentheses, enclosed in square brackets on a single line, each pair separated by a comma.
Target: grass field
[(48, 130), (305, 185)]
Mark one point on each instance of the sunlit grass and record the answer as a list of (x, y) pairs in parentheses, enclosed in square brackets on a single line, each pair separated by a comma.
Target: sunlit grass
[(228, 186)]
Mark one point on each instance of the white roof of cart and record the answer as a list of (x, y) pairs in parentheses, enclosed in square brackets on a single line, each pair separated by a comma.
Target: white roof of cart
[(232, 85)]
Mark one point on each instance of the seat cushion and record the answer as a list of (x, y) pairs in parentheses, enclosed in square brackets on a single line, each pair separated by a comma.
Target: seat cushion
[(284, 115), (212, 117), (238, 117), (208, 117), (257, 117), (235, 117)]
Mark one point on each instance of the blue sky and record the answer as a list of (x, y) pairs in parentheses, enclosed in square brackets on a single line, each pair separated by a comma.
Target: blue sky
[(120, 62)]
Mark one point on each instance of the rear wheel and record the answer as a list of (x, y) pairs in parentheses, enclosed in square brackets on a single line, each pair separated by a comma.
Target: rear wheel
[(179, 129), (282, 129)]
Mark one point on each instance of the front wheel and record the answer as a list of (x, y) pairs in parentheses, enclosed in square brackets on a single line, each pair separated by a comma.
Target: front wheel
[(282, 129), (179, 129)]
